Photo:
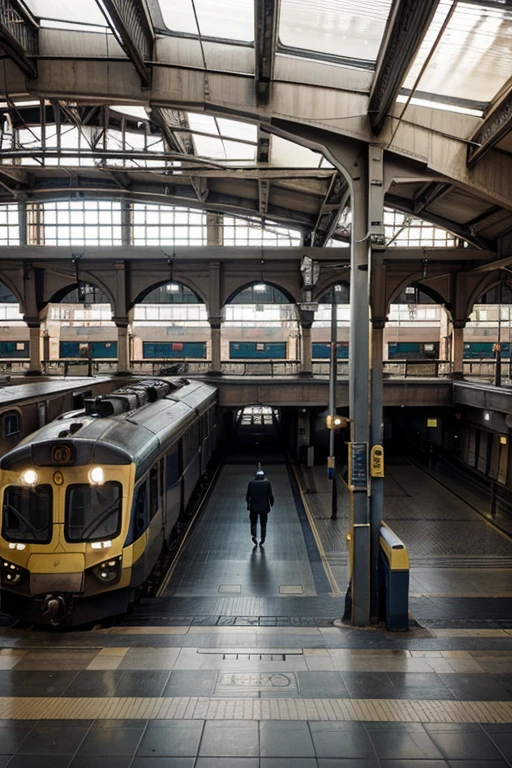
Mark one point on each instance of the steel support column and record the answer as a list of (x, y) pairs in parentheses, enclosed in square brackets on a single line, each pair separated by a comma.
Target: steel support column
[(122, 349), (458, 348), (378, 309), (35, 351), (306, 367), (359, 388)]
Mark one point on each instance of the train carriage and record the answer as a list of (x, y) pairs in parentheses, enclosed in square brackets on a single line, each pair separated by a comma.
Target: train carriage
[(89, 501)]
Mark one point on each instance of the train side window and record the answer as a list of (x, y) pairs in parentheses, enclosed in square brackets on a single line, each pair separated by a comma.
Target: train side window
[(153, 492), (173, 467), (140, 510), (11, 424)]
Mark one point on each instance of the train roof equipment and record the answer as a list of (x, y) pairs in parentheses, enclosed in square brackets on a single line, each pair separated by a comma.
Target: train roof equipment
[(128, 425)]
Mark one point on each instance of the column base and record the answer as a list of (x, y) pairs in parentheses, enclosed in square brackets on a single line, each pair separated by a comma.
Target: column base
[(33, 372), (306, 374), (215, 373), (123, 373), (455, 375)]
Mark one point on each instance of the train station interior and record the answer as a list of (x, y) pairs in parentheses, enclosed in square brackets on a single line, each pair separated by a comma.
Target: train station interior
[(255, 383)]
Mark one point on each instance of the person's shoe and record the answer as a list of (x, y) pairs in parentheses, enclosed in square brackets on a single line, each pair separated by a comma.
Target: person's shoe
[(255, 541), (262, 543)]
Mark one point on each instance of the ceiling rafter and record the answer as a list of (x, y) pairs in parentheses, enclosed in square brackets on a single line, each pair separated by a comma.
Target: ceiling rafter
[(429, 194), (496, 125), (407, 25), (19, 34), (262, 158), (131, 24), (334, 202), (266, 19)]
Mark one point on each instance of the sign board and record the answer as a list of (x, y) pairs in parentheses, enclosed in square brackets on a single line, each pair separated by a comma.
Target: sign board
[(331, 465), (308, 306), (431, 422), (358, 466)]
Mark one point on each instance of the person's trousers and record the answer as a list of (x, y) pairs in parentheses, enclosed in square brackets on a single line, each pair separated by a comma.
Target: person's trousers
[(253, 517)]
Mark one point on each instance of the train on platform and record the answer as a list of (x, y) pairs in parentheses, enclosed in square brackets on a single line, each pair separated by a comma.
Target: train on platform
[(90, 500)]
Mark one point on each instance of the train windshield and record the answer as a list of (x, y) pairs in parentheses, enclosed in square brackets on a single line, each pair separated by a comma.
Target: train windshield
[(93, 512), (27, 513)]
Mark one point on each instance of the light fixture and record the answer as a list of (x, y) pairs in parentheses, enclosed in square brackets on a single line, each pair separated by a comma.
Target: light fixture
[(487, 416), (101, 544), (97, 476), (29, 477)]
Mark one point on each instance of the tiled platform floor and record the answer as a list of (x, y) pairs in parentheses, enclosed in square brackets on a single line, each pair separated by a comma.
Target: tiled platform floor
[(208, 697)]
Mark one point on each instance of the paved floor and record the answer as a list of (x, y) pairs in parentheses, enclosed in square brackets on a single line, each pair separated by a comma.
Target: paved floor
[(203, 685)]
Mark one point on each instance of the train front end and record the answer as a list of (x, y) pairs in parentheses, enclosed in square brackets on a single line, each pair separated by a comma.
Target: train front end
[(64, 519)]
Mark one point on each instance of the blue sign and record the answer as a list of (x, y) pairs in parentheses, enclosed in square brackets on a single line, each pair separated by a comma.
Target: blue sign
[(358, 466)]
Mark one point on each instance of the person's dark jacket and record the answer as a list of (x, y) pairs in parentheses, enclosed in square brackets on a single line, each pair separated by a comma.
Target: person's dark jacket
[(259, 495)]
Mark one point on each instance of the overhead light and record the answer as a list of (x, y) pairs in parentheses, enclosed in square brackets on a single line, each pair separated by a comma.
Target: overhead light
[(487, 416)]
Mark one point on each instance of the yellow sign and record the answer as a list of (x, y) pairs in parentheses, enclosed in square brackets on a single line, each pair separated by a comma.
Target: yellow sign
[(431, 422), (377, 461)]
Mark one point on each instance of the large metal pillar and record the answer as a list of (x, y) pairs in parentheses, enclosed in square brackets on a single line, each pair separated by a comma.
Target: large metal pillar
[(359, 390), (306, 367), (35, 351), (378, 314), (123, 364), (215, 317)]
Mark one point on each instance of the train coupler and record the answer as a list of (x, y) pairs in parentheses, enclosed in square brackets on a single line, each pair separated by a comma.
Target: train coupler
[(57, 608)]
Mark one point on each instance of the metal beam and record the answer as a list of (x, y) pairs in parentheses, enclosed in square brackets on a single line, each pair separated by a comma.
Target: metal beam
[(497, 123), (335, 201), (408, 22), (266, 16), (459, 230), (431, 194), (19, 35), (131, 24)]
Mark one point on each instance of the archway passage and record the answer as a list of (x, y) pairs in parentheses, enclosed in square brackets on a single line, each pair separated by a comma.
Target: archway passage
[(170, 328), (79, 327), (260, 332), (488, 335)]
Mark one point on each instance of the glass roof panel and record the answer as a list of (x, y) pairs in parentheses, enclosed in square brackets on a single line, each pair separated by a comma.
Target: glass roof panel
[(474, 57), (346, 28), (235, 130), (131, 110), (287, 154), (79, 11), (222, 19)]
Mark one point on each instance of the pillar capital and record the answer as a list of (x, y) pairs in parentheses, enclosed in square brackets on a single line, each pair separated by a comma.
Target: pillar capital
[(215, 322), (459, 323), (379, 323)]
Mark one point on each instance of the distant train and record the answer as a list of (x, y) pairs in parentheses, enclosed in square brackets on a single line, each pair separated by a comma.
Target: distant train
[(106, 351), (88, 501)]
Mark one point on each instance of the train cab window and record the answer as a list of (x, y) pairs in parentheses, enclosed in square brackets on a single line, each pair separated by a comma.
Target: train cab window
[(27, 513), (11, 424), (93, 512), (153, 492)]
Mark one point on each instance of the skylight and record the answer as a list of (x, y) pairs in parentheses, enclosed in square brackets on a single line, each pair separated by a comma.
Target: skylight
[(344, 28), (223, 19)]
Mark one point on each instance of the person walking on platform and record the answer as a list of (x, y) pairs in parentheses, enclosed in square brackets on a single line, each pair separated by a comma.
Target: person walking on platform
[(259, 501)]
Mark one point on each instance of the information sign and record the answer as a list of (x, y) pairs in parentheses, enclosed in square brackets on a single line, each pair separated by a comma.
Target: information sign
[(358, 466)]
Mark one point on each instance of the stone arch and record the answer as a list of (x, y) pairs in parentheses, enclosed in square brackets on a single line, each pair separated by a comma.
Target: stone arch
[(193, 288), (14, 290), (325, 287), (492, 281), (410, 280), (286, 293), (86, 277)]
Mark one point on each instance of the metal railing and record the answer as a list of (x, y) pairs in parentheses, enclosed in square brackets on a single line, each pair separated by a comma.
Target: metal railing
[(77, 367), (422, 368), (261, 367)]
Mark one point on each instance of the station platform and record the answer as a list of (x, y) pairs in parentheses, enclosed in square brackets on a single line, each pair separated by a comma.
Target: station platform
[(225, 668)]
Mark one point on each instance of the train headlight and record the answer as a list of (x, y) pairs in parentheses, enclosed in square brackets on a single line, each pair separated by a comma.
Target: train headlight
[(29, 477), (10, 573), (19, 545), (108, 571), (101, 544), (97, 476)]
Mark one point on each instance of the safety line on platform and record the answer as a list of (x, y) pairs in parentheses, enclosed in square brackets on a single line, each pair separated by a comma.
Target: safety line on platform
[(209, 708), (335, 590)]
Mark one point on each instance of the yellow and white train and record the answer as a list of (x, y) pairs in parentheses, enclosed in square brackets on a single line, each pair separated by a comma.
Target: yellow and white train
[(88, 501)]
